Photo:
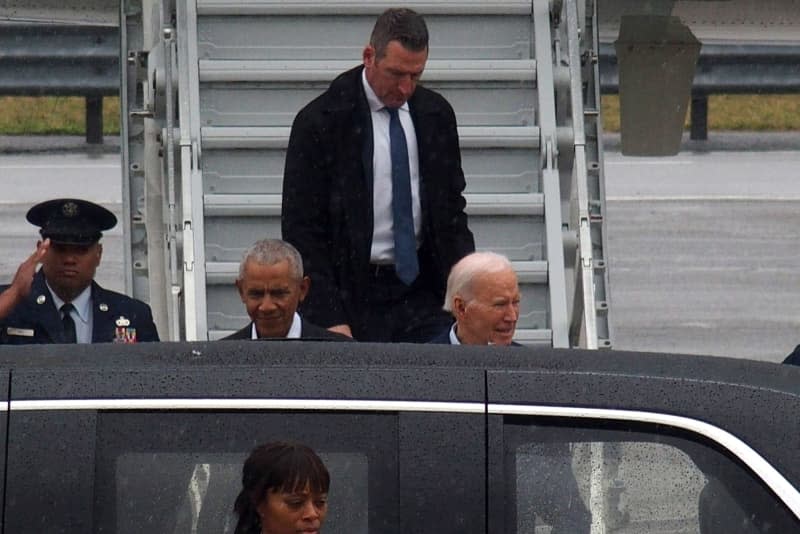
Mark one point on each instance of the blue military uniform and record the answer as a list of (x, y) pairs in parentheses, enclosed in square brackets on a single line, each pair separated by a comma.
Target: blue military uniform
[(115, 317)]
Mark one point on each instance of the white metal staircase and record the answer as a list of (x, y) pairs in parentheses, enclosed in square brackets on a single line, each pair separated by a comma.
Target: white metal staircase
[(519, 74)]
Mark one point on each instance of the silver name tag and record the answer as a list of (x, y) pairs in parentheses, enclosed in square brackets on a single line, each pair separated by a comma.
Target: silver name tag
[(26, 332)]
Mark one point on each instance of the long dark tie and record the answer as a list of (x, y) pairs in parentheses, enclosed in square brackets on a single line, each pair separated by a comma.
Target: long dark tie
[(405, 243), (70, 336)]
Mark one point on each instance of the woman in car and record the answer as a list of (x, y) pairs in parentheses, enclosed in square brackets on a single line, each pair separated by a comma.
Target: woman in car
[(284, 491)]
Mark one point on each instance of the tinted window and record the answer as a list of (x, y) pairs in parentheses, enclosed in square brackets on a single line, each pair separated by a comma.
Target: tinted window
[(194, 493), (180, 472), (642, 479)]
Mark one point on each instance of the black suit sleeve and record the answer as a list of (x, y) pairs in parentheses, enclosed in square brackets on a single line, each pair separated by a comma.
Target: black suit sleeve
[(456, 218), (305, 216), (443, 178)]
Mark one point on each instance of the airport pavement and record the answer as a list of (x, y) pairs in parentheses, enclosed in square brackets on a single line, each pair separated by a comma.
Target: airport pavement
[(703, 255), (702, 248), (28, 177)]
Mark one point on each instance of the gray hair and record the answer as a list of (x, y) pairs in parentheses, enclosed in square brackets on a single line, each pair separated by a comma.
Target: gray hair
[(464, 272), (403, 25), (270, 252)]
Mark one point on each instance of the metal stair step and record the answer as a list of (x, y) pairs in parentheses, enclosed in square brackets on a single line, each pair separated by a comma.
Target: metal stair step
[(452, 70), (277, 137), (225, 272), (375, 7), (505, 204), (266, 205)]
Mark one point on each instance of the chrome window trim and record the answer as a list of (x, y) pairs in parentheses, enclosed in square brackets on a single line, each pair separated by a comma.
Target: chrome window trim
[(249, 404), (761, 467)]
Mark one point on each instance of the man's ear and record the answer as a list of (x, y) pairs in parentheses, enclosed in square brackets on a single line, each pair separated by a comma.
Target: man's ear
[(368, 55), (239, 288), (305, 285), (459, 306)]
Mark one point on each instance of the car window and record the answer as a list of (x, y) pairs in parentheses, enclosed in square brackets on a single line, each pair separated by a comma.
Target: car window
[(194, 493), (629, 478), (180, 472)]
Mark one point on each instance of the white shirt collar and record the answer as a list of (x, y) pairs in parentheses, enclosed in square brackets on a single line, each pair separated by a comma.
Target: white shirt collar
[(453, 337), (295, 331), (374, 102), (81, 303)]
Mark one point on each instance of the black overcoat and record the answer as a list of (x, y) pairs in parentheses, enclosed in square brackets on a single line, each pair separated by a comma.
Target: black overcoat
[(327, 195)]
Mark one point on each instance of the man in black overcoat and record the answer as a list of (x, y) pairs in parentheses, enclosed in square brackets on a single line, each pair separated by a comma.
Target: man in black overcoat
[(343, 194)]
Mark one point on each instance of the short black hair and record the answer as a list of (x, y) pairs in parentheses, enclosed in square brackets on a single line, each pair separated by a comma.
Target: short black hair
[(399, 24), (277, 466)]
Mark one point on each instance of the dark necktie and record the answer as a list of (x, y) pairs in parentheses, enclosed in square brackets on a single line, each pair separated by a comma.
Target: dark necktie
[(70, 336), (405, 244)]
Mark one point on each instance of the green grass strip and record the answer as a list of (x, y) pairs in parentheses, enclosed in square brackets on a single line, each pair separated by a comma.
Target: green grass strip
[(66, 115), (53, 115), (752, 113)]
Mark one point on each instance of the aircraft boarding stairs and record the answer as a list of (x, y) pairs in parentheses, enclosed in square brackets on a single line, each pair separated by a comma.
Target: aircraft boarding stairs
[(204, 166)]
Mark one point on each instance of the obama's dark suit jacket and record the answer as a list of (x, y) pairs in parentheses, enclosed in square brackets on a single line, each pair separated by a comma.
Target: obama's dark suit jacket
[(307, 331)]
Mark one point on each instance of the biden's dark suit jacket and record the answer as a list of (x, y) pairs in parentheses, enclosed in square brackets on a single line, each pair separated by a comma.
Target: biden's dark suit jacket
[(36, 319), (443, 338), (794, 357), (327, 196)]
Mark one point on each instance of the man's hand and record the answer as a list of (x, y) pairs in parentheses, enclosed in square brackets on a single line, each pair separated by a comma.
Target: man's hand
[(342, 329), (21, 285)]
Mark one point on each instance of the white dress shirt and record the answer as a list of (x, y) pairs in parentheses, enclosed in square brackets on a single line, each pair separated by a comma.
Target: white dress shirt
[(294, 331), (453, 337), (382, 234)]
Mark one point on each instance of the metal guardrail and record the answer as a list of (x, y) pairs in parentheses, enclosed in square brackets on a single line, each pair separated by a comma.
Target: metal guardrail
[(724, 69), (62, 60), (79, 60)]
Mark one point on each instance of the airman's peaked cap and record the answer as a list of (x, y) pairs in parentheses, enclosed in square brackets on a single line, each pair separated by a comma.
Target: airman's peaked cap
[(71, 221)]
